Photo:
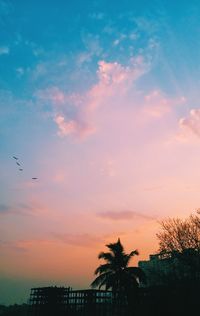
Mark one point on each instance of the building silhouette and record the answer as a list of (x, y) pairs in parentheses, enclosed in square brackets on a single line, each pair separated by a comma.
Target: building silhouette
[(168, 268), (48, 301)]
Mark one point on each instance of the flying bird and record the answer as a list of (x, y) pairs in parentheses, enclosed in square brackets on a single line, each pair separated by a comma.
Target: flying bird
[(20, 169), (19, 164)]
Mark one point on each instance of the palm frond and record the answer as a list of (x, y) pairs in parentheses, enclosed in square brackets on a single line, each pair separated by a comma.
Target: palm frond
[(103, 268), (134, 253), (130, 255), (110, 282), (137, 273), (101, 280), (116, 247), (107, 256)]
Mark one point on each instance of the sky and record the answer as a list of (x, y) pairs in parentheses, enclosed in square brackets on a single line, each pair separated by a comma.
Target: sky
[(99, 100)]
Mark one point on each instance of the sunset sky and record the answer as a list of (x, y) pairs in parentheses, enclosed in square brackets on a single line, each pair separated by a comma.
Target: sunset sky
[(99, 100)]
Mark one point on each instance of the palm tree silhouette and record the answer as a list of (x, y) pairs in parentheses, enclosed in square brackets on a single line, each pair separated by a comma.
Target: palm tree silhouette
[(115, 274)]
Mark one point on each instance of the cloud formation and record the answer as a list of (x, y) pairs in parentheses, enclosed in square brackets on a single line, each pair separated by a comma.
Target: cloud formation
[(192, 122), (77, 114), (123, 215), (12, 246), (115, 80), (4, 208), (73, 113), (4, 50), (157, 104), (80, 240), (67, 127), (21, 209)]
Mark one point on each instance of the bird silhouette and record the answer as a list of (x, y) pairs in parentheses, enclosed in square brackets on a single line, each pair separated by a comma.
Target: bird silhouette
[(21, 169)]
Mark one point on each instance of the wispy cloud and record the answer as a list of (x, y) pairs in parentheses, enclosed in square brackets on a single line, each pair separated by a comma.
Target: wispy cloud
[(158, 105), (4, 208), (83, 240), (6, 7), (20, 71), (96, 15), (123, 215), (4, 50), (79, 129), (80, 240), (12, 246), (21, 209), (92, 49), (109, 168), (192, 122)]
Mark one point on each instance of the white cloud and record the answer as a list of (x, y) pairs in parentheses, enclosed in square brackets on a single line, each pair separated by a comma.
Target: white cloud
[(39, 71), (92, 48), (97, 15), (20, 71)]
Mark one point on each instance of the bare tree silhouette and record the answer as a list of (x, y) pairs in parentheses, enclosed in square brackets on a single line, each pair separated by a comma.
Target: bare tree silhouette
[(180, 238)]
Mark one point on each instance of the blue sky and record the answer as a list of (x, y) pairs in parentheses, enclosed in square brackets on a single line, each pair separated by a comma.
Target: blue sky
[(100, 101)]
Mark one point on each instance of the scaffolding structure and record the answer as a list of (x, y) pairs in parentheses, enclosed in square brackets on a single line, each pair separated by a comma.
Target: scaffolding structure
[(63, 301), (90, 303)]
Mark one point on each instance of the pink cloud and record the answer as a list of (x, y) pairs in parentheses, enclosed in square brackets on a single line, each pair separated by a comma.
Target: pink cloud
[(21, 209), (114, 80), (24, 245), (81, 240), (11, 245), (114, 73), (73, 113), (123, 215), (59, 177), (108, 168), (192, 122), (53, 95), (157, 104), (77, 114), (67, 112), (72, 127)]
